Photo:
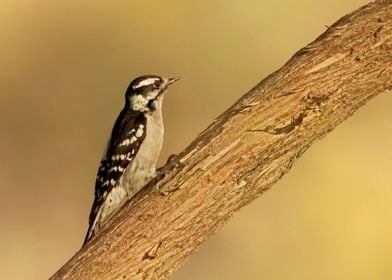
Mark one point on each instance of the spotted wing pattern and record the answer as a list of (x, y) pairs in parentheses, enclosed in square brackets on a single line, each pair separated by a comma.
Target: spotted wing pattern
[(128, 133)]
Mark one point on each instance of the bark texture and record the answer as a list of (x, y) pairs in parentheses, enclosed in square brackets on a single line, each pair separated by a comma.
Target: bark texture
[(244, 151)]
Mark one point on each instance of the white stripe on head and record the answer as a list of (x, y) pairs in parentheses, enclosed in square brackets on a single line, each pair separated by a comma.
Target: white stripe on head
[(145, 82)]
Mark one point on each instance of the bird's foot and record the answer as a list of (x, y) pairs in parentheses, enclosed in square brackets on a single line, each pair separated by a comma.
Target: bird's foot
[(173, 162)]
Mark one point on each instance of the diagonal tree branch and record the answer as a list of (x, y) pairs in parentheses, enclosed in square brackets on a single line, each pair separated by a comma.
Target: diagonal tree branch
[(245, 151)]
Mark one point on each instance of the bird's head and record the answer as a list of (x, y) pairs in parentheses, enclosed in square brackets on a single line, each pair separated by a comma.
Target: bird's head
[(145, 93)]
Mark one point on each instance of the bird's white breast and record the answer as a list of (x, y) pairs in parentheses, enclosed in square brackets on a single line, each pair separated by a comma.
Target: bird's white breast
[(143, 167)]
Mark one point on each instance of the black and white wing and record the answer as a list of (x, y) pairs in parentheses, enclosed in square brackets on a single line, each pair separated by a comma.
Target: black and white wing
[(128, 133)]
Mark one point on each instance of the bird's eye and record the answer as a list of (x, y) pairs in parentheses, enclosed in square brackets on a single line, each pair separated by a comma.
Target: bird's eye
[(156, 84)]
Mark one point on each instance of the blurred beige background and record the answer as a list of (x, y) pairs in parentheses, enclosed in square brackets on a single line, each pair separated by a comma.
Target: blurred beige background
[(64, 68)]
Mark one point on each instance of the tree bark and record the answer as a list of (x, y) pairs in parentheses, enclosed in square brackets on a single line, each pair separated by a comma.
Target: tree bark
[(244, 151)]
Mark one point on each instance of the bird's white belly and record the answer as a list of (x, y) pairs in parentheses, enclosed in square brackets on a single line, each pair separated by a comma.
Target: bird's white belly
[(115, 199), (143, 167)]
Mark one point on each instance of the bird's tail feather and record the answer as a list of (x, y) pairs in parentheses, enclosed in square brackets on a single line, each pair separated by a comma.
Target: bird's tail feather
[(93, 227)]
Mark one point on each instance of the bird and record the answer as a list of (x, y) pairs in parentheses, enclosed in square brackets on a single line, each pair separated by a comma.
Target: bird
[(131, 154)]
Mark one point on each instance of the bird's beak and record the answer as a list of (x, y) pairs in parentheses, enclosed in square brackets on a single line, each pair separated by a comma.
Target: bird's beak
[(172, 80)]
